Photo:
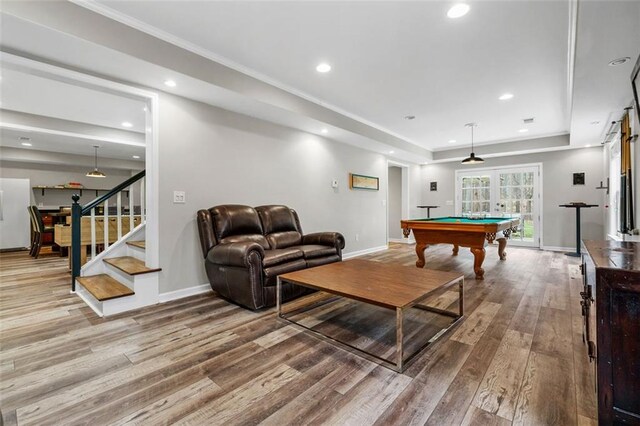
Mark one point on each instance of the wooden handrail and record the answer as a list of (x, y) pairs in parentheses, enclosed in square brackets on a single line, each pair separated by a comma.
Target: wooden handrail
[(77, 211)]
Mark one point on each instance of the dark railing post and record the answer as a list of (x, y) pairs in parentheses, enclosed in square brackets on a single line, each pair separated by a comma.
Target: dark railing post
[(76, 216)]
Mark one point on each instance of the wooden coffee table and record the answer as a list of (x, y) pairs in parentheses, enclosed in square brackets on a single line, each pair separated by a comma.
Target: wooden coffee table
[(390, 286)]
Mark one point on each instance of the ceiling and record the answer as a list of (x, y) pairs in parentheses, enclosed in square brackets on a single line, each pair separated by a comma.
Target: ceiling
[(393, 59), (389, 60), (73, 107)]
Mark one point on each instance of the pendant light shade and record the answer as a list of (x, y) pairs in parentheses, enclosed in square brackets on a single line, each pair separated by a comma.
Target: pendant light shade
[(472, 159), (95, 172)]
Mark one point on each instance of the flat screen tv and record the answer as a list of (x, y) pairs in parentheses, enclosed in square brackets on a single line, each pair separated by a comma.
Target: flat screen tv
[(635, 83)]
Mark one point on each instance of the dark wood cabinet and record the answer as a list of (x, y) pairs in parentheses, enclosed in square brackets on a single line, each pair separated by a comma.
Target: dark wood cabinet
[(611, 272)]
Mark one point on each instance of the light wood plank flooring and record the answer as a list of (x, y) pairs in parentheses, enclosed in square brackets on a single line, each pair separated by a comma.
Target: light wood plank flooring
[(517, 358)]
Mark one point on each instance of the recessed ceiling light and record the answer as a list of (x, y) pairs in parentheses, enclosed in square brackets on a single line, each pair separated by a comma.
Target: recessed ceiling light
[(323, 67), (593, 123), (523, 130), (619, 61), (587, 146), (452, 141), (324, 131), (144, 109), (126, 124), (26, 144), (136, 156), (426, 162), (506, 96), (391, 152), (409, 117), (170, 83), (458, 10)]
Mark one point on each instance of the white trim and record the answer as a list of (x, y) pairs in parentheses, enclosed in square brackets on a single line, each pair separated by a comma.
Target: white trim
[(42, 130), (184, 292), (402, 240), (363, 252)]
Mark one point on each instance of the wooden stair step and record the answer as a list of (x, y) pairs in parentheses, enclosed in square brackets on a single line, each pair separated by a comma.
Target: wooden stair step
[(140, 244), (103, 287), (130, 265)]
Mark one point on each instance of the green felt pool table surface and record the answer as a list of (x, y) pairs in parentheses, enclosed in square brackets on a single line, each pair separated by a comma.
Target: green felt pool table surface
[(454, 219)]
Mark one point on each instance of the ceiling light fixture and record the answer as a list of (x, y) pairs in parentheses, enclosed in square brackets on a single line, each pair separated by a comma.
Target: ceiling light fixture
[(136, 156), (391, 152), (587, 146), (472, 159), (324, 131), (127, 124), (95, 172), (170, 83), (452, 141), (26, 144), (506, 97), (523, 130), (409, 117), (323, 67), (619, 61), (458, 10)]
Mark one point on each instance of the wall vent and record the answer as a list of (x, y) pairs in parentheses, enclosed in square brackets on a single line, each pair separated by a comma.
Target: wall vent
[(528, 120)]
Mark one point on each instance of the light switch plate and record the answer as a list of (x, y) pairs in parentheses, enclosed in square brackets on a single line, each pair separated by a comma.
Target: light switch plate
[(179, 197), (334, 183)]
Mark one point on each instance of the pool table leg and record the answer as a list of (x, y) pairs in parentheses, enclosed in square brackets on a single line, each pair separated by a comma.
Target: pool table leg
[(478, 255), (455, 249), (502, 244), (420, 247)]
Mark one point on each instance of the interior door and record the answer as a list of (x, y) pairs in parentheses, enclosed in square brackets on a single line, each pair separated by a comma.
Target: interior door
[(503, 192), (15, 195)]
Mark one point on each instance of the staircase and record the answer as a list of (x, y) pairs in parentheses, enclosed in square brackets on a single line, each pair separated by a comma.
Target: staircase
[(117, 279)]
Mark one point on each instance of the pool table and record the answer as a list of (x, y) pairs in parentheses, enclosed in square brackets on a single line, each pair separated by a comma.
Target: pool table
[(461, 231)]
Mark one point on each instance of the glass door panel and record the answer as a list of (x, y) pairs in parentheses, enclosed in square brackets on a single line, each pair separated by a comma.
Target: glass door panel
[(516, 199), (476, 195)]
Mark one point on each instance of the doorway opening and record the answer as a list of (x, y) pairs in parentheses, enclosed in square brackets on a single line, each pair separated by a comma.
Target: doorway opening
[(397, 201)]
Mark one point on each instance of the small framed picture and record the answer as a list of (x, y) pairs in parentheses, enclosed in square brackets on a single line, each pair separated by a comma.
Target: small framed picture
[(578, 178), (434, 186)]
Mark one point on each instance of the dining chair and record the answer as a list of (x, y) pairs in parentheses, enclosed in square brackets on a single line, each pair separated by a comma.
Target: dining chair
[(39, 230)]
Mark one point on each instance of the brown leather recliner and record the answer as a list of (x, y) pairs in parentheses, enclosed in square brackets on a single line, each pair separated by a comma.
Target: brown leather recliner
[(245, 249)]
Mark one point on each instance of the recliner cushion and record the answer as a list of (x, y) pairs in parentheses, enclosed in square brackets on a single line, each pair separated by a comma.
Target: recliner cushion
[(273, 271), (235, 223), (280, 227), (312, 251), (286, 239), (278, 256)]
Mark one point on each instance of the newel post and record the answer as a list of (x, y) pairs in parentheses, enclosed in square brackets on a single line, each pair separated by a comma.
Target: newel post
[(76, 215)]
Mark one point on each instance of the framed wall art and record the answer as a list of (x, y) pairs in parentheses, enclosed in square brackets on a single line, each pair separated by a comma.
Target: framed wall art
[(364, 182)]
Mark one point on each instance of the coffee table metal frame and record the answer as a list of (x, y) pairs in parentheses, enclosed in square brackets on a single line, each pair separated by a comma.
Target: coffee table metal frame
[(400, 361)]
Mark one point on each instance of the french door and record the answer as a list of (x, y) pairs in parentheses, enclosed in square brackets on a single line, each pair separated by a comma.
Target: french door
[(503, 192)]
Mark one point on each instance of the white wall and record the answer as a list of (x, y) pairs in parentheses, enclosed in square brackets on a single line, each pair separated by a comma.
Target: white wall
[(220, 157), (557, 188), (395, 202)]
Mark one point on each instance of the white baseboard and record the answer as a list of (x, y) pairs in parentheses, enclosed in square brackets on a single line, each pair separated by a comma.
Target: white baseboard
[(402, 240), (184, 292), (363, 252), (555, 248)]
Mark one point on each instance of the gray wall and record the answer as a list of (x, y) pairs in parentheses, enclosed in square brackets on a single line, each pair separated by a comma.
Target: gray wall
[(220, 157), (395, 202), (51, 174), (557, 188)]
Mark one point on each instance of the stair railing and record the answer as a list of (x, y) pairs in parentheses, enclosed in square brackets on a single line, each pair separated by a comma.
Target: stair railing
[(78, 211)]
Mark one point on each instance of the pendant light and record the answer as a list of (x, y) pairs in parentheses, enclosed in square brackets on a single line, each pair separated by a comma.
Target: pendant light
[(95, 172), (472, 159)]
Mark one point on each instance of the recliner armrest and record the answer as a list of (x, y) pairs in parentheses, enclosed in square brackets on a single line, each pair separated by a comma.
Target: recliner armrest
[(234, 254), (332, 239)]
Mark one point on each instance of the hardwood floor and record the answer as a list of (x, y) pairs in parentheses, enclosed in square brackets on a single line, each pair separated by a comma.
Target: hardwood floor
[(517, 358)]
